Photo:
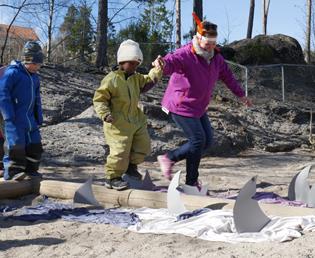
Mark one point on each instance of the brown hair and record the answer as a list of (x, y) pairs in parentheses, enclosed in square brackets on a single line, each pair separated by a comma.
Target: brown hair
[(209, 28)]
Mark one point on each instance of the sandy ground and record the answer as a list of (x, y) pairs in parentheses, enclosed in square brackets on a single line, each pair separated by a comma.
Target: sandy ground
[(73, 239)]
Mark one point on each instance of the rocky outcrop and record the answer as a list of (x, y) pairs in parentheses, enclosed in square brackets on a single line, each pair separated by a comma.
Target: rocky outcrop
[(265, 49)]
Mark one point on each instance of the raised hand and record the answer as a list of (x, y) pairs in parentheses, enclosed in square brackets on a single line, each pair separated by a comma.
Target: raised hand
[(158, 63)]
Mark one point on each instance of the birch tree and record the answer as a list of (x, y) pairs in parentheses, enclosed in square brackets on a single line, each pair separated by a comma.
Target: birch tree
[(46, 16)]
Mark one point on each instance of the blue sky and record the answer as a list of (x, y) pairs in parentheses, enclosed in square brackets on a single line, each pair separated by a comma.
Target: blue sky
[(231, 16)]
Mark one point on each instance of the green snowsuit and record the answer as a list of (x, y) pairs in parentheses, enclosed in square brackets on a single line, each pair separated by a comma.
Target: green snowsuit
[(127, 135)]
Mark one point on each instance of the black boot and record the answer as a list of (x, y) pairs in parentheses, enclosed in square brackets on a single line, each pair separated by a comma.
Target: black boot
[(116, 183), (133, 172)]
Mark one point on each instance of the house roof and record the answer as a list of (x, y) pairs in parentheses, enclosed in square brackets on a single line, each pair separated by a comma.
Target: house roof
[(18, 32)]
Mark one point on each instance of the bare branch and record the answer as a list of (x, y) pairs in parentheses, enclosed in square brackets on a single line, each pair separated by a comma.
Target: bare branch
[(8, 30), (18, 7), (10, 6), (123, 7), (126, 19)]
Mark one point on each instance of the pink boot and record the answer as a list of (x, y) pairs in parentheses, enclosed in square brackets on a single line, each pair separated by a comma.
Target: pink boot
[(166, 166)]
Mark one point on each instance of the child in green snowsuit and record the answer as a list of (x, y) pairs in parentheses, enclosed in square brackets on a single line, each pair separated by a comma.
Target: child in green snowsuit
[(125, 125)]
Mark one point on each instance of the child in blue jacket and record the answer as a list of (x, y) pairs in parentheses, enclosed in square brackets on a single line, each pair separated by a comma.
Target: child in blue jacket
[(21, 114)]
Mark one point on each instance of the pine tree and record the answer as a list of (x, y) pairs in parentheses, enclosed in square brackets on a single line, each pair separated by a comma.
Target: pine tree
[(84, 30), (77, 31), (67, 29), (153, 30)]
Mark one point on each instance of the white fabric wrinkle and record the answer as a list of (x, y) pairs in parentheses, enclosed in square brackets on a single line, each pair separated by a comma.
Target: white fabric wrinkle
[(218, 225)]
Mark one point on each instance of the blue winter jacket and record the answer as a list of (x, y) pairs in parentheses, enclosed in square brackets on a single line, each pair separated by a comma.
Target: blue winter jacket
[(20, 102)]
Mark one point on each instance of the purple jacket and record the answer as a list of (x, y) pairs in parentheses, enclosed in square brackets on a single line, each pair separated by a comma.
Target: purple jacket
[(192, 81)]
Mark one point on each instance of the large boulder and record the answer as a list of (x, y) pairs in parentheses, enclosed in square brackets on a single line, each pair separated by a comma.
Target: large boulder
[(265, 49)]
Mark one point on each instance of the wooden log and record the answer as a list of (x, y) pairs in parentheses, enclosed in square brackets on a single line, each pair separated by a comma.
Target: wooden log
[(13, 189), (150, 199)]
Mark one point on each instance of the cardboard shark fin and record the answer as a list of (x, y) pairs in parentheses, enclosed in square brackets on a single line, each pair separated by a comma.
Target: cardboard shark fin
[(145, 184), (300, 189), (247, 215), (174, 203), (85, 194)]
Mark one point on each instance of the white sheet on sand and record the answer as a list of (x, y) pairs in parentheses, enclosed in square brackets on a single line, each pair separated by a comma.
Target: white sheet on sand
[(218, 225)]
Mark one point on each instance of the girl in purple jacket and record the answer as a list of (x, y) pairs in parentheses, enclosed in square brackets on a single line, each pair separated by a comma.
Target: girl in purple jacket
[(194, 70)]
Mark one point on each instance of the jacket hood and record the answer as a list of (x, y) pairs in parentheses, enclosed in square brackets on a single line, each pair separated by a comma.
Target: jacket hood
[(17, 64)]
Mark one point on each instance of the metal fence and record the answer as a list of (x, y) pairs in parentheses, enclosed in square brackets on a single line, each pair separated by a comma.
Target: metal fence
[(280, 82), (290, 87)]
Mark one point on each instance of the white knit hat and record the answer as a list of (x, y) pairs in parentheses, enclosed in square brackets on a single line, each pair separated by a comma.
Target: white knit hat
[(129, 50)]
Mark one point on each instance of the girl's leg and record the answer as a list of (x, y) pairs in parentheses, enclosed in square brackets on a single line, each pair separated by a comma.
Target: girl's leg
[(192, 150), (207, 128)]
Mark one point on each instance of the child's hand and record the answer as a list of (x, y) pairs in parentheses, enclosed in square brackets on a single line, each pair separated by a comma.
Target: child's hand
[(109, 119), (158, 63)]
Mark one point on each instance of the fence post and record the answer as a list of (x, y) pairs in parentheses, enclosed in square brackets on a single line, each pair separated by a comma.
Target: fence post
[(246, 80), (282, 82)]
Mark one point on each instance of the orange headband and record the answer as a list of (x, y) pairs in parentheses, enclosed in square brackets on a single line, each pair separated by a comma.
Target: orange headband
[(199, 23)]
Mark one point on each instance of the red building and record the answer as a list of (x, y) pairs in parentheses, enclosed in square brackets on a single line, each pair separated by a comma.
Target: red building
[(17, 37)]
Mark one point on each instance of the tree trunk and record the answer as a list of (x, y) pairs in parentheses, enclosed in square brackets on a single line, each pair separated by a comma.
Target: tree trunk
[(50, 20), (250, 19), (178, 23), (198, 10), (308, 32), (265, 4), (101, 38)]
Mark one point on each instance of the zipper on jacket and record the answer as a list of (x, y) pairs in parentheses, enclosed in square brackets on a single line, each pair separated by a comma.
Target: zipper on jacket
[(29, 137), (32, 99), (129, 93)]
